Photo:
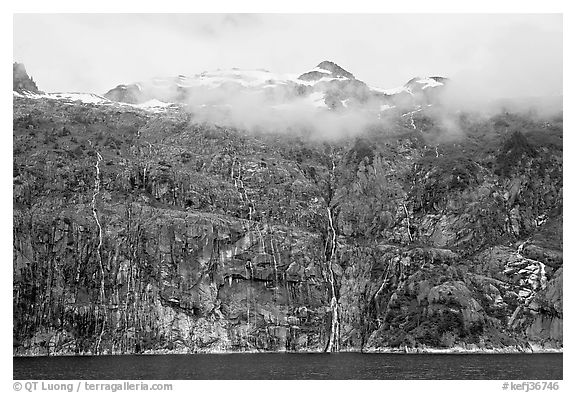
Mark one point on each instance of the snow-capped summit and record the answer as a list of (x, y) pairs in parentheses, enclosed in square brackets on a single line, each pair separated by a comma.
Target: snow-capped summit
[(326, 69), (329, 85), (416, 92), (413, 86), (422, 83)]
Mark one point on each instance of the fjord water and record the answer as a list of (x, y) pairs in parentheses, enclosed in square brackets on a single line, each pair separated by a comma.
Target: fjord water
[(293, 366)]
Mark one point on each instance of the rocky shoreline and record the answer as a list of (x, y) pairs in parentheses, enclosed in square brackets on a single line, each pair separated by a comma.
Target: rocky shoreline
[(459, 350)]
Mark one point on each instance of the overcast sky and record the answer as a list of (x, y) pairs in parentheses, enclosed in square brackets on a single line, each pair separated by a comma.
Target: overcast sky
[(507, 55)]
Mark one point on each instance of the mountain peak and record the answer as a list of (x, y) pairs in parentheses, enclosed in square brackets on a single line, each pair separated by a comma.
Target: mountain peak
[(326, 69), (335, 69), (21, 81)]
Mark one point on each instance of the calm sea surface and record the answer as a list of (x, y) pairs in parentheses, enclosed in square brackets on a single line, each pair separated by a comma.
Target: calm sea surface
[(293, 366)]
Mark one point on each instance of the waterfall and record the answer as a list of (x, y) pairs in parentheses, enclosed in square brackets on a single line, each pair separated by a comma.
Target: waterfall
[(99, 246), (334, 340)]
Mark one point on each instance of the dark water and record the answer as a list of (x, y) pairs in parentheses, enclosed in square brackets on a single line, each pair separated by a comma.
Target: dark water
[(293, 366)]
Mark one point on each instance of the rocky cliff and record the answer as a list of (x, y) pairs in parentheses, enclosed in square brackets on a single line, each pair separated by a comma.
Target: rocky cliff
[(139, 232), (21, 81)]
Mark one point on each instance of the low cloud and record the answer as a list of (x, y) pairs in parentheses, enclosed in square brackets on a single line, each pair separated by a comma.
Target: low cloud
[(278, 110)]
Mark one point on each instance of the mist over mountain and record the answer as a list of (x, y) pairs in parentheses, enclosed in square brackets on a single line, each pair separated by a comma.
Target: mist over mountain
[(326, 98), (330, 85)]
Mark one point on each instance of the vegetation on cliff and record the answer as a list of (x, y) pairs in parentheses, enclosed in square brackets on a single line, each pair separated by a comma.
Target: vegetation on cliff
[(137, 231)]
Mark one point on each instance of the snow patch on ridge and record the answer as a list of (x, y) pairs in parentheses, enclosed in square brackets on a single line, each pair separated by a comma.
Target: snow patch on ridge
[(153, 105), (86, 98), (429, 82), (321, 70), (392, 91)]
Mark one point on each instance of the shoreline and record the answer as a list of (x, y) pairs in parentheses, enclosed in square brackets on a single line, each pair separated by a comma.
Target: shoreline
[(391, 351)]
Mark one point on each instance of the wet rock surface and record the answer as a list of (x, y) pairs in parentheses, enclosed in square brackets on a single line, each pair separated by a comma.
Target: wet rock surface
[(139, 232)]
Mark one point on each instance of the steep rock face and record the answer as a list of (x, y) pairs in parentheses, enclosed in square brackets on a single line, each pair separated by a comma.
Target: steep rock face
[(141, 232), (21, 82), (175, 281)]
